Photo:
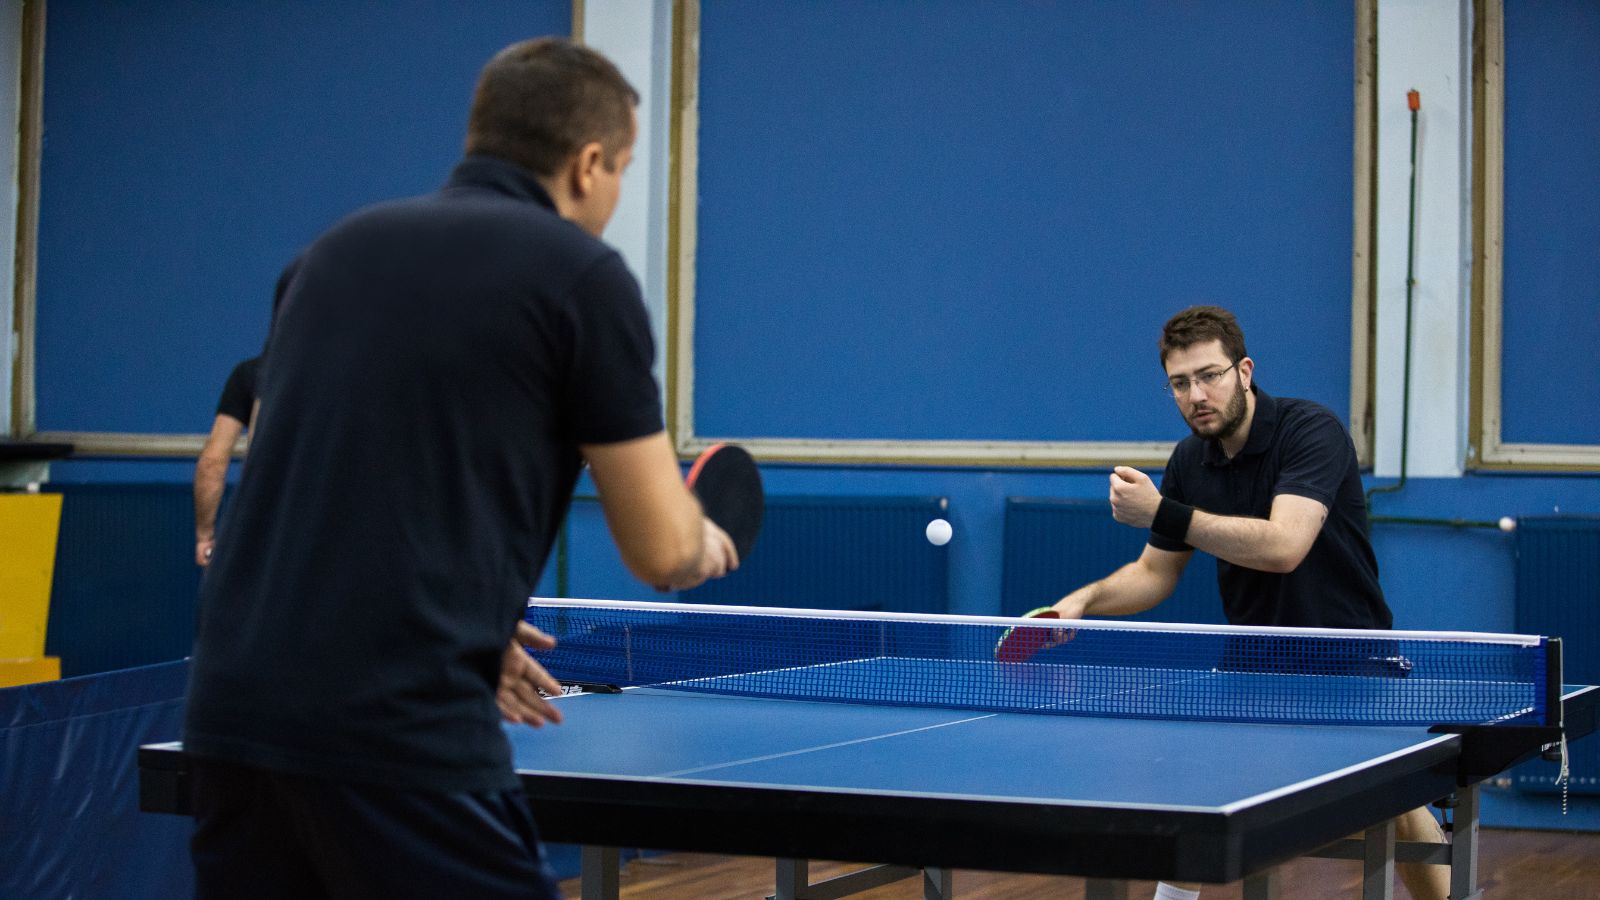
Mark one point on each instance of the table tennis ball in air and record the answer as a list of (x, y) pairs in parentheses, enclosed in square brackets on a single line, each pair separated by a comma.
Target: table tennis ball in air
[(939, 532), (1508, 524)]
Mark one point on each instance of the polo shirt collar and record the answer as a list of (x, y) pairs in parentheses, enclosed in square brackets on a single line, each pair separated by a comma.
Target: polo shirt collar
[(1262, 426), (502, 176)]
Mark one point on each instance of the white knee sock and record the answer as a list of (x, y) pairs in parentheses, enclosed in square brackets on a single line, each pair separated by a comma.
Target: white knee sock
[(1166, 891)]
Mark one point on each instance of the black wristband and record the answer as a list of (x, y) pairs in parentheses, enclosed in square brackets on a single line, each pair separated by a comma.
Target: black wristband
[(1172, 519)]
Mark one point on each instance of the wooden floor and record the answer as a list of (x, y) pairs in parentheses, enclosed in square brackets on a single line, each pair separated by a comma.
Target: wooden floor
[(1548, 865)]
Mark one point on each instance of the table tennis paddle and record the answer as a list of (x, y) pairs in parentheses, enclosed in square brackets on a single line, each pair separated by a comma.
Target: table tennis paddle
[(728, 483), (1020, 644)]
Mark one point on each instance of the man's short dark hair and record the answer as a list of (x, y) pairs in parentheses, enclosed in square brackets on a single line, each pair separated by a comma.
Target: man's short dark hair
[(1199, 324), (540, 101)]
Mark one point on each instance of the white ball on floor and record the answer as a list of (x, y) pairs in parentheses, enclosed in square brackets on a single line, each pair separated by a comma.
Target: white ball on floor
[(939, 532), (1508, 524)]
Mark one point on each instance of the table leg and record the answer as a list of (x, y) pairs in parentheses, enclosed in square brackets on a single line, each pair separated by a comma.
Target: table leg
[(1105, 889), (938, 884), (793, 876), (1377, 863), (1464, 846), (601, 880), (1262, 885)]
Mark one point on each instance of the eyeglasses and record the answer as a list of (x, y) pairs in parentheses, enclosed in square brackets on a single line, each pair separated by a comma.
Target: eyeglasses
[(1177, 387)]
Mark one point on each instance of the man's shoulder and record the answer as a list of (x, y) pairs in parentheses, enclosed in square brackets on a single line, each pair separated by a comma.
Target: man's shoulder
[(1310, 433), (1299, 406), (1300, 416), (467, 224), (245, 371), (457, 206)]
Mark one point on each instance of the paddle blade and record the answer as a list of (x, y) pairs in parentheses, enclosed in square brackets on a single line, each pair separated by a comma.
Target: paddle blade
[(727, 481), (1020, 644)]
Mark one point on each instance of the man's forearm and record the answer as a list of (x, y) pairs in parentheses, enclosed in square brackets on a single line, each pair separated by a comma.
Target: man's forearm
[(1241, 540), (1277, 544), (210, 476), (1130, 589), (1274, 544)]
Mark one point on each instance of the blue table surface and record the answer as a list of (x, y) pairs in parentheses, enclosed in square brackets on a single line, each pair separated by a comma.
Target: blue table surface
[(658, 734)]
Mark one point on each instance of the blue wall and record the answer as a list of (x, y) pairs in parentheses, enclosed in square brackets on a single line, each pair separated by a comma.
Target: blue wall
[(985, 218), (1552, 222), (193, 147)]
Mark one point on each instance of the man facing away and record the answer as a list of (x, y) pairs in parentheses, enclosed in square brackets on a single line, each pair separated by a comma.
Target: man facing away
[(438, 370), (1272, 488)]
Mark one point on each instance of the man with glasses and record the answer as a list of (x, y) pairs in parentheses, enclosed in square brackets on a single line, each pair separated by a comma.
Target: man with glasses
[(1271, 487)]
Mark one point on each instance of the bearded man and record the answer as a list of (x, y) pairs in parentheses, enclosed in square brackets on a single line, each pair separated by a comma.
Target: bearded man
[(1271, 487)]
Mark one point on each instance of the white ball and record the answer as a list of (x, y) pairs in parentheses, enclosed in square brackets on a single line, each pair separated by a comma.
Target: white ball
[(1508, 524), (939, 532)]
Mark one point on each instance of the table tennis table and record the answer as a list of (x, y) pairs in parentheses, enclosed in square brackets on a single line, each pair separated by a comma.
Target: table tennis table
[(926, 789)]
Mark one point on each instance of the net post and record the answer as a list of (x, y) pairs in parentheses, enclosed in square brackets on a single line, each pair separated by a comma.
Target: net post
[(1554, 682)]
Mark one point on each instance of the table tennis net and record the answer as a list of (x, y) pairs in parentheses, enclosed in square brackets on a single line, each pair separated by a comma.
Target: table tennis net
[(1098, 669)]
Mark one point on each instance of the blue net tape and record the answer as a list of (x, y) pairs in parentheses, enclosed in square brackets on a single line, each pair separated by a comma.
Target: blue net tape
[(1388, 679)]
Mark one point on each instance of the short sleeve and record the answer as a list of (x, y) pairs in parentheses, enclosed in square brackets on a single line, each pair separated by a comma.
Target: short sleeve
[(239, 393), (1316, 456), (613, 394), (1171, 489)]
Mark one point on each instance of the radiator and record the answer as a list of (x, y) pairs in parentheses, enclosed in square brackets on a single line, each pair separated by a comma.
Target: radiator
[(864, 553), (126, 585), (1053, 546), (1558, 594)]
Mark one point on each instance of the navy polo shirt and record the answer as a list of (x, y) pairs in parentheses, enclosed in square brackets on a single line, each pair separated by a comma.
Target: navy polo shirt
[(1295, 447), (432, 368)]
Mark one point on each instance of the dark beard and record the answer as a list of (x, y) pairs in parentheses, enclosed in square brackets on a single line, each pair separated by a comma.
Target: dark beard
[(1232, 415)]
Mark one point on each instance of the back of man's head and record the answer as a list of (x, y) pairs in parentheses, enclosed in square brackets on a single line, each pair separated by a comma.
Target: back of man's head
[(1200, 324), (538, 102)]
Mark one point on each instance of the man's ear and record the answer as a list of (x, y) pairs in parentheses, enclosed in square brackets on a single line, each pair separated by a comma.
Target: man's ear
[(585, 163), (1247, 370)]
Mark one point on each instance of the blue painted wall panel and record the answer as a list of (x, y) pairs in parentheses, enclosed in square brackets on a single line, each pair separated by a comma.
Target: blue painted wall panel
[(193, 147), (1551, 281), (980, 213)]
